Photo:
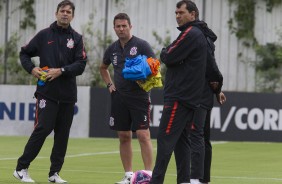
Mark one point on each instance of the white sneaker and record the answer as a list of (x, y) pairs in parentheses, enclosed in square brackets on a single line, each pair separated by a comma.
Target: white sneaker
[(23, 176), (125, 180), (56, 179)]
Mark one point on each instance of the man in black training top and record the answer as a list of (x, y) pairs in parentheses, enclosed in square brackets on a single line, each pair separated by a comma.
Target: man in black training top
[(130, 105), (62, 55)]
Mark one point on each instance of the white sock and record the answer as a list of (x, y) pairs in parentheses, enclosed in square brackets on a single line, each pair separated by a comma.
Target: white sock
[(149, 172), (129, 173)]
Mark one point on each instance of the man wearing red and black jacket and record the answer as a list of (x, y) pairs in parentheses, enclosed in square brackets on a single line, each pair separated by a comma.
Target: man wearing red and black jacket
[(62, 55), (186, 60)]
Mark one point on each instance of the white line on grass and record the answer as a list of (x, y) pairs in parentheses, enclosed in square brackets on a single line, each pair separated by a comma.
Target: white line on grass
[(246, 178), (218, 142), (97, 153), (91, 154), (77, 155)]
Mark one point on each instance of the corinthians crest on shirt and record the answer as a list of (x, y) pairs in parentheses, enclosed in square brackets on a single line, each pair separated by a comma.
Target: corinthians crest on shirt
[(133, 51), (42, 103), (70, 43)]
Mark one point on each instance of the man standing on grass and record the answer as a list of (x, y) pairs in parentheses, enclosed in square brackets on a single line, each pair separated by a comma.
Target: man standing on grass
[(185, 60), (62, 58), (130, 104)]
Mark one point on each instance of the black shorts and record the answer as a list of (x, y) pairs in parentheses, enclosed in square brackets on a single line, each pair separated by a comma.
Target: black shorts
[(129, 113)]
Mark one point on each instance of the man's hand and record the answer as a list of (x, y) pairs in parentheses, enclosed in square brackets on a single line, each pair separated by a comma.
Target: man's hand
[(112, 88), (36, 72), (53, 73), (221, 98)]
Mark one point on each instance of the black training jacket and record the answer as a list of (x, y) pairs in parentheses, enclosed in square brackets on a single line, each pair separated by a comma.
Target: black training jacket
[(56, 48), (186, 60)]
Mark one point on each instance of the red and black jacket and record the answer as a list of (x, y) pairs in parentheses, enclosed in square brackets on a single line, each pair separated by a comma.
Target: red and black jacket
[(56, 48), (186, 60)]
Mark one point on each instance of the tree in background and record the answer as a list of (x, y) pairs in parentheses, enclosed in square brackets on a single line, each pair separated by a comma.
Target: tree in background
[(94, 45), (268, 65), (9, 54)]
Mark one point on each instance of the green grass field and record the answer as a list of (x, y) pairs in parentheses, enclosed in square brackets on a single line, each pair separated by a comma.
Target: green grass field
[(96, 161)]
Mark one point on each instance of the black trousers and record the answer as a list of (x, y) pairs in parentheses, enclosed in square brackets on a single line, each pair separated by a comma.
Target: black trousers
[(193, 146), (197, 144), (173, 136), (49, 116), (208, 149), (182, 158)]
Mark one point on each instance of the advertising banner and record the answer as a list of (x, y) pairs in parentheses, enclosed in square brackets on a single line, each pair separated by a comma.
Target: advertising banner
[(244, 117), (248, 117), (17, 107)]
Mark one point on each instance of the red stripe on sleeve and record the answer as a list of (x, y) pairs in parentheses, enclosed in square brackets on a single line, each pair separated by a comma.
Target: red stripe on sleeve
[(180, 39)]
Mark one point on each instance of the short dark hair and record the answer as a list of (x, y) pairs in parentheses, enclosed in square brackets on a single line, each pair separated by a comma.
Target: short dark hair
[(65, 3), (190, 6), (122, 16)]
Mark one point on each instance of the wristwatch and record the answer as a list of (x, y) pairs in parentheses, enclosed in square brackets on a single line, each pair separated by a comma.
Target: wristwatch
[(63, 70)]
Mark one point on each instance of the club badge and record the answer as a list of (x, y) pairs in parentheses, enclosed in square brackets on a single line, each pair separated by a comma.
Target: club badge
[(70, 43), (133, 51)]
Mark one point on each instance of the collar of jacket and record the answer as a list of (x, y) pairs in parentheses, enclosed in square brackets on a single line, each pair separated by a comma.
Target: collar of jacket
[(55, 27), (185, 26), (202, 26)]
